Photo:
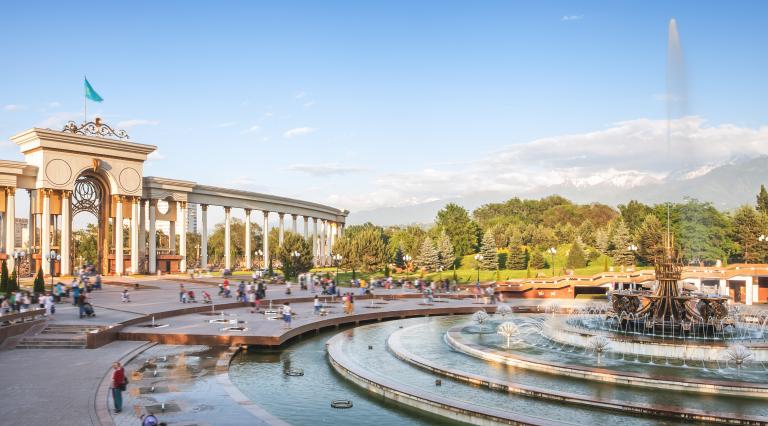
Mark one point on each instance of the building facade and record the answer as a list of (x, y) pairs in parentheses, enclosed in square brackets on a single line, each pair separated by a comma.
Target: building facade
[(96, 169)]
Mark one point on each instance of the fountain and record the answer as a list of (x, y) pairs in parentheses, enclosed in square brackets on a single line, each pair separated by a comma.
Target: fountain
[(508, 329)]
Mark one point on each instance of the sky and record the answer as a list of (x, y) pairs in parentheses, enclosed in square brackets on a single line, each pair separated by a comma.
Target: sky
[(372, 104)]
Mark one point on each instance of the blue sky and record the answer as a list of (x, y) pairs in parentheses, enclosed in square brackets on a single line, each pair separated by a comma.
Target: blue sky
[(370, 104)]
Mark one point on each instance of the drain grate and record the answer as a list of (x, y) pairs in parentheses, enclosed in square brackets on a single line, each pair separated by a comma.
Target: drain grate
[(168, 407)]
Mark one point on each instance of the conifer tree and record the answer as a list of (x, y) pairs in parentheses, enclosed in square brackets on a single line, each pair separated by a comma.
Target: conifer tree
[(488, 251), (4, 278), (650, 239), (576, 256), (620, 242), (538, 261), (762, 200), (445, 251), (518, 258), (399, 261), (39, 285), (428, 257)]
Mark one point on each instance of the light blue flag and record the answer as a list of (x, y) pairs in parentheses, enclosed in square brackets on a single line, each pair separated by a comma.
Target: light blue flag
[(90, 93)]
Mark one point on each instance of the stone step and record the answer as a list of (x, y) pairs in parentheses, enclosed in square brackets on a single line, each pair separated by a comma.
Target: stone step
[(48, 346), (77, 340)]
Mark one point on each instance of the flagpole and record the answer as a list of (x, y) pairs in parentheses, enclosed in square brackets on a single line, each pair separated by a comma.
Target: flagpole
[(85, 105)]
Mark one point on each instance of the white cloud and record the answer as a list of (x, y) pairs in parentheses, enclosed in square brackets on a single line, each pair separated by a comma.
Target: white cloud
[(309, 104), (299, 131), (324, 169), (127, 124), (253, 129), (300, 95), (572, 18), (59, 119), (14, 107), (625, 154), (155, 155)]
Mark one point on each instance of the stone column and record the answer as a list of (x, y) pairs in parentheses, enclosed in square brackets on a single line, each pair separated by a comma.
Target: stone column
[(265, 239), (66, 232), (321, 243), (32, 240), (306, 227), (315, 240), (227, 225), (118, 230), (152, 236), (293, 225), (10, 219), (282, 228), (248, 261), (142, 230), (204, 236), (332, 237), (341, 230), (135, 207), (750, 295), (182, 206), (723, 288), (45, 231)]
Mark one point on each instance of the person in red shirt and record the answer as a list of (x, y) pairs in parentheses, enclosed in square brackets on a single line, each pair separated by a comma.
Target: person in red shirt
[(118, 385)]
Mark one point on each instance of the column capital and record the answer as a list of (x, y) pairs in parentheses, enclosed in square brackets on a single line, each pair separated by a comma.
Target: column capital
[(204, 207), (314, 219), (281, 215), (152, 202), (227, 209), (247, 211), (118, 198), (266, 213), (9, 190), (66, 194)]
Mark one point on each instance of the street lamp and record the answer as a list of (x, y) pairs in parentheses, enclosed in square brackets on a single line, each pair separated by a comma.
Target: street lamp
[(18, 255), (53, 257), (259, 254), (478, 259), (295, 255), (407, 259), (552, 251), (337, 260)]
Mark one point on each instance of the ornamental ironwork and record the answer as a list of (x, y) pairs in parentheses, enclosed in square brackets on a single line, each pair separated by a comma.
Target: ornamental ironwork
[(95, 128), (86, 196)]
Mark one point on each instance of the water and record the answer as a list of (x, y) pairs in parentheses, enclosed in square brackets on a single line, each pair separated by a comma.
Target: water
[(306, 400)]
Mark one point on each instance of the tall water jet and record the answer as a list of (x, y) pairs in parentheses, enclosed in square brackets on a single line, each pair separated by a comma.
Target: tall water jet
[(677, 91)]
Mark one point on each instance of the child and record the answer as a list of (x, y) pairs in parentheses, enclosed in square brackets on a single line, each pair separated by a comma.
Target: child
[(317, 305), (125, 297), (287, 314), (206, 297)]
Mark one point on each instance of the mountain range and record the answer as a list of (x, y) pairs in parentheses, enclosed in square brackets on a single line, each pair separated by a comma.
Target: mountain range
[(726, 186)]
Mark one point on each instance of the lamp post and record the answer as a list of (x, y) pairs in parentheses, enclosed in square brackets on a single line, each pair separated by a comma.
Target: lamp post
[(407, 258), (552, 251), (295, 258), (18, 256), (478, 259), (53, 257), (336, 260), (632, 249), (258, 255)]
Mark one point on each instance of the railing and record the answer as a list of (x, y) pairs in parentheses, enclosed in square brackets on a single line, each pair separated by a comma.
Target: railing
[(17, 317)]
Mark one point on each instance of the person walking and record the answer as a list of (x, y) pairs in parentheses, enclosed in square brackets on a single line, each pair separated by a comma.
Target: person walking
[(182, 293), (48, 305), (118, 385), (81, 304), (317, 304), (351, 303)]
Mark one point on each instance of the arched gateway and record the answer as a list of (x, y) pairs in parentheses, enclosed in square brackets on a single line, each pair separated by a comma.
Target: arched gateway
[(92, 168)]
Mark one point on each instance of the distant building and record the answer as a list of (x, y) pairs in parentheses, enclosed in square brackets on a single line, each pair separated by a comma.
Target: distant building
[(192, 218), (20, 232)]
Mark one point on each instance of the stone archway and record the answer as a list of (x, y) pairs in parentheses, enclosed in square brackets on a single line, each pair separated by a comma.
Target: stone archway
[(91, 195)]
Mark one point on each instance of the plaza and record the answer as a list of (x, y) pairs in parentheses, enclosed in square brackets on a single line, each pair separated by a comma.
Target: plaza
[(383, 213)]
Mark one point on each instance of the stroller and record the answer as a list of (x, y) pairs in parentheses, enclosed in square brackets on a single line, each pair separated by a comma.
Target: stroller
[(88, 308), (206, 297), (191, 297)]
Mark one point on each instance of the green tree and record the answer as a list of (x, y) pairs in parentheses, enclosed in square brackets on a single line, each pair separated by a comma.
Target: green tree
[(576, 256), (399, 260), (294, 265), (748, 225), (488, 251), (237, 242), (86, 244), (650, 240), (4, 278), (39, 284), (620, 242), (762, 200), (428, 257), (462, 231), (407, 240), (193, 247), (518, 258), (13, 283), (538, 261), (633, 214), (445, 251), (363, 251)]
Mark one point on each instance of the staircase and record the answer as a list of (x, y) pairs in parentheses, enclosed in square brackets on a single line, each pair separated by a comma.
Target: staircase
[(57, 336)]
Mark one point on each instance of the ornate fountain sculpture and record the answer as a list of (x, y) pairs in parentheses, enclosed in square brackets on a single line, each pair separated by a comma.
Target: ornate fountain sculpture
[(666, 311)]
